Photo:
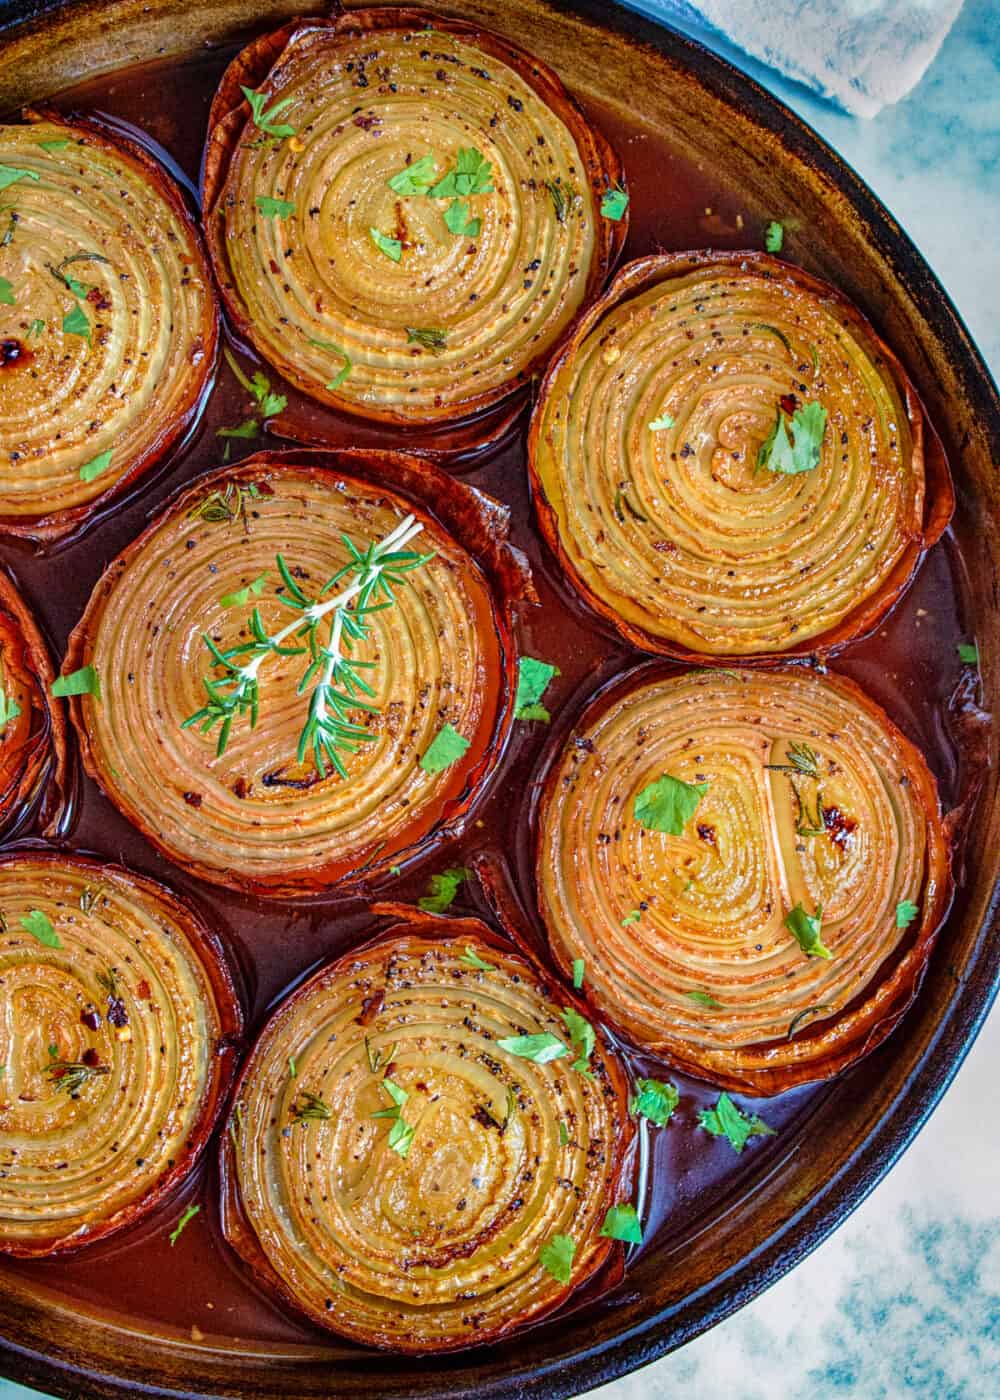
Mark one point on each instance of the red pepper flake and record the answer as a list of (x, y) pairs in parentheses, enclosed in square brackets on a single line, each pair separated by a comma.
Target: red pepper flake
[(707, 833), (838, 826), (144, 990), (91, 1018), (789, 403), (90, 1058), (193, 799)]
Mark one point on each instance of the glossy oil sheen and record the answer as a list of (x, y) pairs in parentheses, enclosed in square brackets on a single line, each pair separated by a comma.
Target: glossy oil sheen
[(910, 666)]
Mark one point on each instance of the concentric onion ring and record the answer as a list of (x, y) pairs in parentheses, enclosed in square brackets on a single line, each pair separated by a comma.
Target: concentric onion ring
[(109, 333), (117, 1045), (370, 93), (256, 818), (34, 762), (644, 456), (439, 1248), (684, 937)]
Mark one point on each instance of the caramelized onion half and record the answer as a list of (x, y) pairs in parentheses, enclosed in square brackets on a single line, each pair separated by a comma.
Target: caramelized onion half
[(684, 936), (109, 326), (452, 320), (256, 818), (434, 1244), (34, 762), (118, 1044), (644, 457)]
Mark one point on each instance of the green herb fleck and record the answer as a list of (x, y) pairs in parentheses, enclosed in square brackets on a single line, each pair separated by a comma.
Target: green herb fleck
[(90, 471), (806, 930), (704, 999), (533, 677), (579, 968), (622, 1223), (265, 121), (659, 424), (415, 178), (807, 1015), (968, 653), (632, 917), (446, 748), (541, 1047), (59, 145), (614, 203), (801, 453), (310, 1107), (391, 247), (39, 925), (242, 596), (275, 208), (83, 682), (9, 710), (442, 889), (10, 174), (430, 339), (76, 323), (341, 374), (563, 1134), (472, 959), (726, 1120), (188, 1216), (457, 220), (582, 1036), (668, 804), (471, 174), (906, 912), (293, 1068), (774, 237), (36, 328), (6, 292), (557, 1257), (654, 1100)]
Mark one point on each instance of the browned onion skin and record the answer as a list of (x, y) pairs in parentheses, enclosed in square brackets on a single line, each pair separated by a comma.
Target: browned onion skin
[(34, 756), (343, 1247), (728, 561), (394, 380), (713, 901), (255, 819), (77, 1169), (139, 384)]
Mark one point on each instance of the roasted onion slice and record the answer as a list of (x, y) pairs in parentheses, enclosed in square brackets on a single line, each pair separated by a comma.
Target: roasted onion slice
[(783, 930), (394, 1172), (118, 1041), (108, 321), (34, 763), (436, 671), (334, 254), (729, 462)]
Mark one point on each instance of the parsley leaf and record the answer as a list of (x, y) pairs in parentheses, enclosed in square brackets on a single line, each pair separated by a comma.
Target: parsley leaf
[(668, 804), (471, 174), (726, 1120), (342, 374), (704, 999), (415, 178), (614, 203), (806, 930), (76, 323), (36, 327), (541, 1047), (579, 968), (446, 748), (442, 889), (391, 247), (557, 1257), (10, 174), (801, 453), (774, 236), (659, 424), (622, 1223), (83, 682), (6, 292), (40, 927), (188, 1215), (533, 679), (266, 120), (242, 596), (654, 1100), (54, 145), (274, 208), (968, 653), (91, 470), (906, 912), (582, 1036), (632, 917), (249, 428), (430, 339), (456, 217), (563, 1134), (9, 710), (472, 959)]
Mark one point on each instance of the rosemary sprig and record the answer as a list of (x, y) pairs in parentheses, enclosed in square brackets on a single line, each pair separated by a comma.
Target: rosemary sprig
[(802, 758), (803, 761), (69, 1076), (337, 678), (310, 1106)]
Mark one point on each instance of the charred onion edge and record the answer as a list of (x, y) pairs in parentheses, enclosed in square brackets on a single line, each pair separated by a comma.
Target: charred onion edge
[(939, 496), (45, 790), (835, 1043), (477, 522), (48, 529), (228, 117), (207, 948), (605, 1267)]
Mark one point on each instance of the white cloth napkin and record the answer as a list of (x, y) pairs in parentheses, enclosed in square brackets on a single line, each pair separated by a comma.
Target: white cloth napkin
[(861, 54)]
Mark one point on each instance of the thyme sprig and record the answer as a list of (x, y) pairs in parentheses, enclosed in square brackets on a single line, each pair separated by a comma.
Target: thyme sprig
[(336, 677), (803, 761)]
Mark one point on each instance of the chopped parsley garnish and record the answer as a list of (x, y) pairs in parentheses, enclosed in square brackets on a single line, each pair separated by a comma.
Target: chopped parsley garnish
[(704, 999), (249, 428), (76, 323), (582, 1036), (36, 327), (614, 203), (442, 889), (9, 710), (471, 174), (557, 1257), (39, 925), (259, 389), (968, 653), (10, 174), (457, 219), (659, 424), (93, 469), (446, 748), (242, 596), (906, 912), (185, 1219), (622, 1223), (415, 178), (541, 1047), (83, 682), (391, 247), (429, 338), (266, 121), (342, 374), (6, 292), (800, 453), (472, 959), (728, 1121), (579, 969), (401, 1133), (563, 1134), (59, 145), (774, 237), (806, 930), (275, 208), (654, 1100), (668, 804), (533, 677), (632, 917)]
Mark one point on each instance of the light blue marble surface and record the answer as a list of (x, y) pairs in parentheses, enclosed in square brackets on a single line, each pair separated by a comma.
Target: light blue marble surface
[(903, 1302)]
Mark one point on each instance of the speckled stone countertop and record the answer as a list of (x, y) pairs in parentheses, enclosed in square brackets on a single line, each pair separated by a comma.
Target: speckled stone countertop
[(903, 1301)]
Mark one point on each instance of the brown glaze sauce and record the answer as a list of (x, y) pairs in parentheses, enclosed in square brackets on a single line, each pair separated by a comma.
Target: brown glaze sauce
[(196, 1289)]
